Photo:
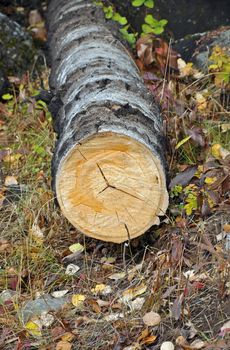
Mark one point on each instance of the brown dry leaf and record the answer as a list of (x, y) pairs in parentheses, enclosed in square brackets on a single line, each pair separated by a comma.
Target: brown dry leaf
[(184, 177), (197, 135), (151, 318), (196, 344), (177, 306), (5, 246), (146, 338), (2, 198), (176, 250), (95, 306), (165, 55), (227, 228), (34, 17), (63, 345), (144, 47), (39, 34)]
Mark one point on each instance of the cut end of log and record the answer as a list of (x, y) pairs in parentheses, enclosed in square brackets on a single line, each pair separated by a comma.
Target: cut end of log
[(111, 187)]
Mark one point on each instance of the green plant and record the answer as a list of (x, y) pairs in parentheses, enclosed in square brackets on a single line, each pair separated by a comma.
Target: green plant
[(154, 26), (220, 64), (147, 3), (151, 24)]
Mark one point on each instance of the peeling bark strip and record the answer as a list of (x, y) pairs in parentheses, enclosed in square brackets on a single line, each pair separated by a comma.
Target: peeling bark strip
[(108, 166)]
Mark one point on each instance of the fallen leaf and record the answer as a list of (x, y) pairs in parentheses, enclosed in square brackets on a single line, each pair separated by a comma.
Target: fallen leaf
[(131, 293), (68, 336), (225, 328), (63, 345), (10, 181), (76, 247), (34, 327), (72, 269), (46, 319), (177, 306), (219, 152), (227, 228), (137, 304), (5, 246), (151, 318), (78, 300), (197, 344), (117, 276), (37, 234), (114, 317), (201, 102), (95, 306), (183, 141), (34, 17), (101, 289), (184, 177), (59, 293)]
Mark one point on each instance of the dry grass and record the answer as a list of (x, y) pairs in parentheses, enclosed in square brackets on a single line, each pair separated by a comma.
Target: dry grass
[(29, 266)]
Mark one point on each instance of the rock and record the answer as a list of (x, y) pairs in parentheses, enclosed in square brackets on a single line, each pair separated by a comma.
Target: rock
[(167, 345), (6, 295), (16, 50), (43, 304), (197, 48)]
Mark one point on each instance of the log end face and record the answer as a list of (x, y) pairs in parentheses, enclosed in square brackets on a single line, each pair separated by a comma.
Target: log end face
[(111, 187)]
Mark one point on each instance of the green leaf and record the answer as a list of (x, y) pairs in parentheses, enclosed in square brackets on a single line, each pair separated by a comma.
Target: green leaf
[(149, 19), (162, 22), (137, 3), (149, 4), (182, 142), (118, 18), (108, 12), (42, 104), (147, 29), (158, 30), (129, 37), (7, 97)]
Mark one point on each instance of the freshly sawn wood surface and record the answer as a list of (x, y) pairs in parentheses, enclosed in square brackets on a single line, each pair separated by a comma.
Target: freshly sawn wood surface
[(108, 167)]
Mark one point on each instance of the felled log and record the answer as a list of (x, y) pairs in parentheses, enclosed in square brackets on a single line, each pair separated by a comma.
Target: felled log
[(108, 167)]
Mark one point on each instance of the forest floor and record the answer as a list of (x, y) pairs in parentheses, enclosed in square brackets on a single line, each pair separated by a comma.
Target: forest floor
[(62, 290)]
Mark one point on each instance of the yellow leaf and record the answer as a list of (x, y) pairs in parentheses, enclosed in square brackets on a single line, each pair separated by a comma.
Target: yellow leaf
[(184, 140), (219, 152), (12, 158), (33, 328), (131, 293), (10, 180), (78, 299), (201, 102), (98, 288), (210, 180), (76, 247), (68, 336)]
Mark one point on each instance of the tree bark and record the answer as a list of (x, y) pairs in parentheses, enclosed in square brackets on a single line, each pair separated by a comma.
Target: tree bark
[(109, 167)]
